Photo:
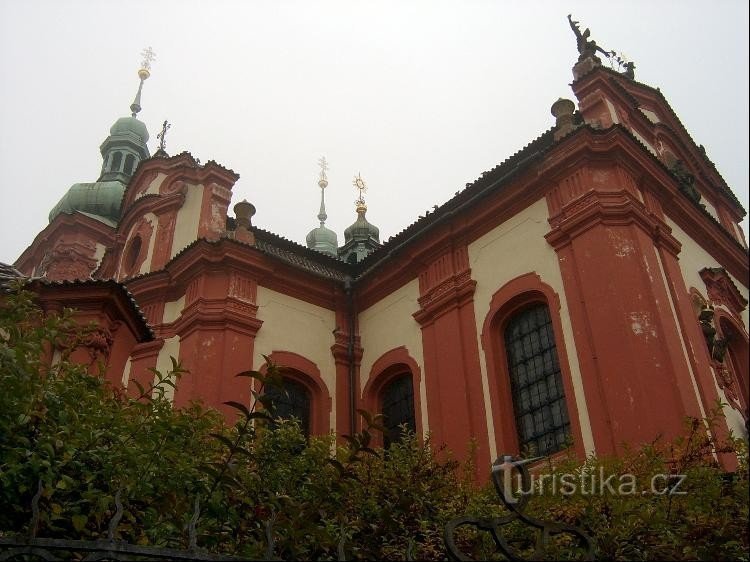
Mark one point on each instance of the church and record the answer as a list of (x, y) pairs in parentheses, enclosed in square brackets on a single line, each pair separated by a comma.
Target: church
[(589, 291)]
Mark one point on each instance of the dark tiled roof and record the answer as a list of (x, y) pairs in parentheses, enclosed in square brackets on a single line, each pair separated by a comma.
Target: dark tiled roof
[(8, 273), (489, 180), (301, 256), (100, 283)]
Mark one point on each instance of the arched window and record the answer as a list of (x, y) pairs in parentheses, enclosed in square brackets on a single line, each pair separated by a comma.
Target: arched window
[(536, 384), (116, 161), (129, 162), (291, 400), (132, 254), (397, 406)]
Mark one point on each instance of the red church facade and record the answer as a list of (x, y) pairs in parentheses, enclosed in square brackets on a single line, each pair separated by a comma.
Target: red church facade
[(589, 291)]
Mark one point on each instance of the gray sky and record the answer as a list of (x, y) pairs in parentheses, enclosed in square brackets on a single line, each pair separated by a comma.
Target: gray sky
[(420, 97)]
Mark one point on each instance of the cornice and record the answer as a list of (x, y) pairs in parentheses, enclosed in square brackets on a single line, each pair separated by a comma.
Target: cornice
[(452, 293)]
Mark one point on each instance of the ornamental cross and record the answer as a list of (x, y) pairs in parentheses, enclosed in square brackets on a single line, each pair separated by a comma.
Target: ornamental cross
[(360, 184), (323, 167), (161, 136), (149, 56)]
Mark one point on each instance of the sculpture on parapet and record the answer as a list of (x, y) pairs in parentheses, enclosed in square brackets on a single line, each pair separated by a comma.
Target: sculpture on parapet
[(587, 59), (586, 48)]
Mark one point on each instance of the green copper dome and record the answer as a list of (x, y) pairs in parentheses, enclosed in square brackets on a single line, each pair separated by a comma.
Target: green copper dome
[(362, 229), (323, 240), (130, 125), (102, 199)]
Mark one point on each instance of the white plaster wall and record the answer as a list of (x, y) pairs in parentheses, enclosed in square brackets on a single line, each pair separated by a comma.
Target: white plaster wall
[(653, 117), (293, 325), (171, 348), (188, 217), (612, 112), (389, 324), (99, 253), (154, 222), (710, 208), (154, 186), (173, 310), (126, 373), (512, 249)]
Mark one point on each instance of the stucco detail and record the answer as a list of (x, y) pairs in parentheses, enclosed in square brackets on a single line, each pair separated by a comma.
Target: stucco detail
[(170, 349), (519, 245), (154, 186), (293, 325), (388, 324), (188, 219), (693, 258), (173, 310)]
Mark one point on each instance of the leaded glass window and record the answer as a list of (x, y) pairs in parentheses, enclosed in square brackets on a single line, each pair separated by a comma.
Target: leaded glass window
[(536, 382), (398, 408), (291, 400)]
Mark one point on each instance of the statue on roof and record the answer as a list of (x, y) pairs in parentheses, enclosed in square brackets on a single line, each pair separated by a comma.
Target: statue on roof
[(586, 48)]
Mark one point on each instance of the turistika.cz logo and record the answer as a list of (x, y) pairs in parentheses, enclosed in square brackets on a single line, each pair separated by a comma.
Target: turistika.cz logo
[(584, 482)]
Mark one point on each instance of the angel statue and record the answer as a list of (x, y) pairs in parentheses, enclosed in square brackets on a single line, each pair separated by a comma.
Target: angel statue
[(586, 48)]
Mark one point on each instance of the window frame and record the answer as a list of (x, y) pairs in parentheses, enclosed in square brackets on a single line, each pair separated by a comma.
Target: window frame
[(517, 388), (516, 295), (389, 366), (303, 371)]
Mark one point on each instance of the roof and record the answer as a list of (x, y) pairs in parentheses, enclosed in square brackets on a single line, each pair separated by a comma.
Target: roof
[(616, 80), (8, 273), (141, 324)]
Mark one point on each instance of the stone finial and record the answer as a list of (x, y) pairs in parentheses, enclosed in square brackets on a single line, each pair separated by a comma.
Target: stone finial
[(243, 212), (563, 111)]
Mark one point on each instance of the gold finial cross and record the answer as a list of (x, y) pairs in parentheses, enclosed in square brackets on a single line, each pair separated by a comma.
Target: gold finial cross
[(323, 167), (149, 56), (360, 184), (161, 136)]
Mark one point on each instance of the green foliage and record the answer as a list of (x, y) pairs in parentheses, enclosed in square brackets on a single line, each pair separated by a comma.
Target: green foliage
[(258, 487)]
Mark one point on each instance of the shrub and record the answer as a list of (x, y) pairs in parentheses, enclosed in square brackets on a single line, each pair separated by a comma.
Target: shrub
[(77, 446)]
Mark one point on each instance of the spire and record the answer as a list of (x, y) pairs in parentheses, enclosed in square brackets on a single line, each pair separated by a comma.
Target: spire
[(322, 183), (143, 73), (323, 239)]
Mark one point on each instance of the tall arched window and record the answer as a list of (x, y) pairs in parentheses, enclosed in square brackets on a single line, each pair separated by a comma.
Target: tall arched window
[(291, 400), (116, 161), (132, 254), (129, 162), (397, 406), (536, 383)]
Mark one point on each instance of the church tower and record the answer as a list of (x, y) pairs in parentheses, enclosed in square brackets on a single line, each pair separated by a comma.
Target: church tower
[(122, 151)]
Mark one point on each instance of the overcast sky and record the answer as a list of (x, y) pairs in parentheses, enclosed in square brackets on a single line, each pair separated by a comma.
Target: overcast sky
[(420, 97)]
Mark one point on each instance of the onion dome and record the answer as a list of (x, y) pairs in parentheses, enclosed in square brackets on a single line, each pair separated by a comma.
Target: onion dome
[(362, 229)]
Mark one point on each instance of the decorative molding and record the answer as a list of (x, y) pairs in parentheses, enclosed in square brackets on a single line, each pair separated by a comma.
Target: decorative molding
[(722, 290), (453, 292)]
